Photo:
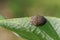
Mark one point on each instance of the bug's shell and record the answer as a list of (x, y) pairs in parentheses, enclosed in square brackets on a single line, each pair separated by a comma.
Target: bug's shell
[(38, 20)]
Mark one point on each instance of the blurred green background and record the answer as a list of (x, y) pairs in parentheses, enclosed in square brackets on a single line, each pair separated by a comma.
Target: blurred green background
[(23, 8)]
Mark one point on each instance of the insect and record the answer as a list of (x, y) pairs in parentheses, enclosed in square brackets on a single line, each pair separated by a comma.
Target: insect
[(38, 20)]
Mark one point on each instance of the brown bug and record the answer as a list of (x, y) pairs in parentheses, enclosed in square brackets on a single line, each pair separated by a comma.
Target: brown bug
[(38, 20)]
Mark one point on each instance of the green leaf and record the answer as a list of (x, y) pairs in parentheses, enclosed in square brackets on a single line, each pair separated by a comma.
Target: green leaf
[(25, 29)]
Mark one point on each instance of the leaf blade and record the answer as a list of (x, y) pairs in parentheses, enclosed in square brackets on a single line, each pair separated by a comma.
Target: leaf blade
[(23, 25)]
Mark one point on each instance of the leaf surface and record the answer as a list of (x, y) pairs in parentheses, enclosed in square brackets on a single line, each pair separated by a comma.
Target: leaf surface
[(24, 28)]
